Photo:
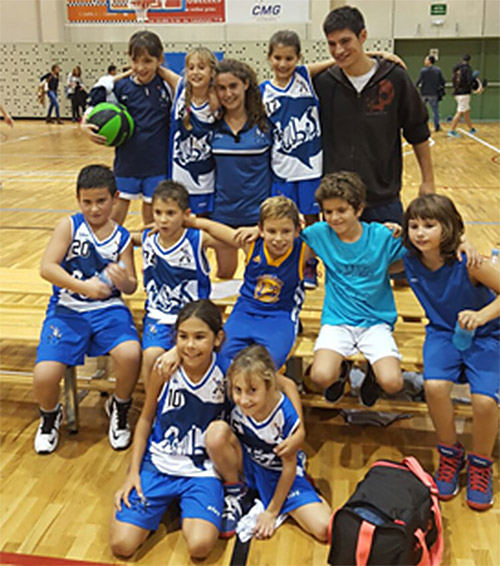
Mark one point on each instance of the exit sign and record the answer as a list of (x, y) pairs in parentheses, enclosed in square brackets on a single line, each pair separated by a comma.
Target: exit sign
[(438, 9)]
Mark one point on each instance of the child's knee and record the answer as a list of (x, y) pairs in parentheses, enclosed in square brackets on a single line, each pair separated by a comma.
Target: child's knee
[(200, 547), (324, 376), (217, 436), (129, 355), (122, 545), (391, 380)]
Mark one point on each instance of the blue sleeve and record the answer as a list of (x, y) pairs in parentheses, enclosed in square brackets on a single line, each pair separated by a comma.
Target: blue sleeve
[(396, 249), (312, 236), (97, 95)]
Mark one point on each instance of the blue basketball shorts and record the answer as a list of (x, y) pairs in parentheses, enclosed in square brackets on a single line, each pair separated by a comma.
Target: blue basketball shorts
[(201, 204), (277, 333), (301, 192), (265, 481), (157, 335), (480, 363), (130, 188), (67, 335), (200, 498)]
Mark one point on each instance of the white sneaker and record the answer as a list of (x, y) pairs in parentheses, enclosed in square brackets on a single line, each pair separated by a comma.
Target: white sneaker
[(120, 436), (47, 435)]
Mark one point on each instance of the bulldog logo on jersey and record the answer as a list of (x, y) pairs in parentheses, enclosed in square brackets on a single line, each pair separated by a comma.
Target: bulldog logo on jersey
[(268, 289)]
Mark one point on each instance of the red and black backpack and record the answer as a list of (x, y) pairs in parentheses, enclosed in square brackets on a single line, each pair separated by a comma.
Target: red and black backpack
[(393, 517)]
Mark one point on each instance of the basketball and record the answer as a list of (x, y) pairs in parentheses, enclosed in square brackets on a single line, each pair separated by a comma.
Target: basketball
[(114, 122)]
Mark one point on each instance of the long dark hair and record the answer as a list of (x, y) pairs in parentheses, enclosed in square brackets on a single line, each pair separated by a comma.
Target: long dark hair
[(254, 107)]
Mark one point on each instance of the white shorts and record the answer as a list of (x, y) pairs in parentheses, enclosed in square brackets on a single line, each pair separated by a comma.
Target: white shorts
[(463, 102), (374, 342)]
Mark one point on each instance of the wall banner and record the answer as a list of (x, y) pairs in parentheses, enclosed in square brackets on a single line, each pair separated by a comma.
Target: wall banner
[(159, 11), (267, 11)]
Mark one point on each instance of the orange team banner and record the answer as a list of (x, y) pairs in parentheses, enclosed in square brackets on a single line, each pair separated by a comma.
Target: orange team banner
[(159, 11)]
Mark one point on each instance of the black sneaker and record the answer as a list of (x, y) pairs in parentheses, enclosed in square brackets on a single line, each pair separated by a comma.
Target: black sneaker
[(336, 389), (119, 432), (370, 390), (236, 505)]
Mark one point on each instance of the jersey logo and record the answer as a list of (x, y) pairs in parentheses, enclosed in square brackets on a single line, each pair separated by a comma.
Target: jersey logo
[(257, 259), (297, 134), (268, 289)]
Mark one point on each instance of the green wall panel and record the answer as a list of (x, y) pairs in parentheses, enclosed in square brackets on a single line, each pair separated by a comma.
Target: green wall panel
[(485, 57)]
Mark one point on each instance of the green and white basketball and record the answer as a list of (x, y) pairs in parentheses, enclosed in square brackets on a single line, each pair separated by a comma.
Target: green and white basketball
[(114, 122)]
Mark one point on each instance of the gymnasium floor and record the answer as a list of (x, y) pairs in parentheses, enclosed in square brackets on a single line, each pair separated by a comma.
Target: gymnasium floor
[(59, 506)]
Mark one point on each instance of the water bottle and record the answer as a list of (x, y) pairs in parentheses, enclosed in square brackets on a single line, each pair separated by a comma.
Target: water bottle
[(103, 276), (462, 338), (494, 255)]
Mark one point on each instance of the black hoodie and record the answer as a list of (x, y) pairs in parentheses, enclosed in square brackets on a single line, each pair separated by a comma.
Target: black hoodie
[(361, 131)]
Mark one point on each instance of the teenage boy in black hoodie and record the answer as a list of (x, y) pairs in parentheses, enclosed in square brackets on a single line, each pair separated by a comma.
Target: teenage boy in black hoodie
[(365, 102)]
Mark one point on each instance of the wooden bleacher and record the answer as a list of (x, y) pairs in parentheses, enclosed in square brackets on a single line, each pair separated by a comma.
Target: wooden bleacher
[(23, 300)]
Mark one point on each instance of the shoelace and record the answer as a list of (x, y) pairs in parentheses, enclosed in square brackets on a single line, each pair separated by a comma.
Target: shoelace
[(121, 414), (448, 467), (479, 478), (232, 506), (49, 421)]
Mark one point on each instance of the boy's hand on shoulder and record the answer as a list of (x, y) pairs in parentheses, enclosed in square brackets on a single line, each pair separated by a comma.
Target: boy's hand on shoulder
[(265, 525), (133, 481), (96, 289), (246, 235), (167, 363), (474, 258), (394, 228)]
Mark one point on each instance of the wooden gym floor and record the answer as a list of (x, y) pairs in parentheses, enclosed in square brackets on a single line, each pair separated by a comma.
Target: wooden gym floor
[(59, 506)]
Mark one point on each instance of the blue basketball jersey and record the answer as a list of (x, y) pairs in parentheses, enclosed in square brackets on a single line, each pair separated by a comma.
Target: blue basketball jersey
[(273, 285), (145, 154), (259, 439), (175, 276), (86, 257), (243, 173), (294, 113), (447, 291), (176, 445), (192, 162)]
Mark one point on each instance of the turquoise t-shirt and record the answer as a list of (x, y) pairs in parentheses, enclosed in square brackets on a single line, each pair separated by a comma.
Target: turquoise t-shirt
[(357, 287)]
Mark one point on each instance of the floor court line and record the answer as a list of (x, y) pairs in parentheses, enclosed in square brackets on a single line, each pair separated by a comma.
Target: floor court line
[(478, 139)]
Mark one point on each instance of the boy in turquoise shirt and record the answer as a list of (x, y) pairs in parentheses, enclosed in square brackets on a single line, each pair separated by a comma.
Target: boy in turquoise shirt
[(359, 310)]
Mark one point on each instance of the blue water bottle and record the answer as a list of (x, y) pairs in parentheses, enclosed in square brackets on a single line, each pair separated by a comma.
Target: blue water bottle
[(462, 338)]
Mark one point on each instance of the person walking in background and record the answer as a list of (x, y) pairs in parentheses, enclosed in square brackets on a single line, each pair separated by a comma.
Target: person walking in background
[(52, 80), (76, 93), (431, 83), (462, 88)]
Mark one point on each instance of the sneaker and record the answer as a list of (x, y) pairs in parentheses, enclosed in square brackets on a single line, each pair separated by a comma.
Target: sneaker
[(473, 131), (451, 462), (235, 506), (59, 121), (479, 482), (49, 120), (311, 274), (119, 430), (335, 391), (370, 390), (453, 134), (47, 435)]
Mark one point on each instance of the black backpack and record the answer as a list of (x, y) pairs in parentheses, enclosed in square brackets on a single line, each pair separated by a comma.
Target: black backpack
[(393, 517)]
